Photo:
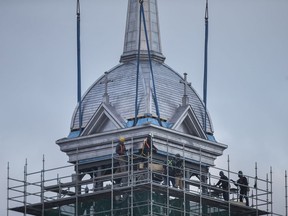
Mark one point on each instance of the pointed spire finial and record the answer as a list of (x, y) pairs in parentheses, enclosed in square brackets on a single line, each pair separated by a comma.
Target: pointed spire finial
[(206, 10), (78, 8), (185, 99)]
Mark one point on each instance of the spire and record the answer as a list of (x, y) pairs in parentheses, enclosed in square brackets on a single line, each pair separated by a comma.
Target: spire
[(132, 32)]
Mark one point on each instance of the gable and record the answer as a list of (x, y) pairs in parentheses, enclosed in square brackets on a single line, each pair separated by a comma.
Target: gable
[(186, 122), (104, 119)]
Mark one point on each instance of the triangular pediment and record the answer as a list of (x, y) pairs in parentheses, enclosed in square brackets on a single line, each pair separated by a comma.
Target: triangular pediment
[(104, 119), (185, 121)]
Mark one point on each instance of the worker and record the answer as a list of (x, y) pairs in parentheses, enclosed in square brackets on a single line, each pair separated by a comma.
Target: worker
[(85, 205), (178, 171), (121, 158), (242, 182), (121, 152), (146, 149), (224, 184)]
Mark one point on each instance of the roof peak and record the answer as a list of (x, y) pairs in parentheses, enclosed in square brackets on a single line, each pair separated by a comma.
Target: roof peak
[(131, 40)]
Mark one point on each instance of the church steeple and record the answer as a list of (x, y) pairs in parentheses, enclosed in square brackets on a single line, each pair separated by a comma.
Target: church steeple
[(132, 32), (135, 84)]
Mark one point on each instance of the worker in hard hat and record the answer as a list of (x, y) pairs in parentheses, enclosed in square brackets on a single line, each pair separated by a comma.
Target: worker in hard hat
[(121, 158)]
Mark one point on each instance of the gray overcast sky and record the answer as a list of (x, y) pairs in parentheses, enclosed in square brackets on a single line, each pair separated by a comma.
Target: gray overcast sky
[(247, 83)]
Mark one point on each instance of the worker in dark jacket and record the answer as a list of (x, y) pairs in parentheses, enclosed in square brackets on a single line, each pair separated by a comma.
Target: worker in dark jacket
[(121, 152), (146, 150), (242, 182), (224, 184), (178, 171), (146, 147)]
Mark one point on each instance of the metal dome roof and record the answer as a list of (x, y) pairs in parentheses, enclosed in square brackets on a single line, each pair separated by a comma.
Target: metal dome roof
[(122, 94)]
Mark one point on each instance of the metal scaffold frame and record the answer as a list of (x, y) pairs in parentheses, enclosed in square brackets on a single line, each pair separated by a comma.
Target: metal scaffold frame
[(138, 190)]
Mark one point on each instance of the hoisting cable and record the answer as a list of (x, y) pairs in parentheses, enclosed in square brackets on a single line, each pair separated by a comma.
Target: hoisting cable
[(137, 74), (79, 68), (138, 66), (205, 66), (150, 62)]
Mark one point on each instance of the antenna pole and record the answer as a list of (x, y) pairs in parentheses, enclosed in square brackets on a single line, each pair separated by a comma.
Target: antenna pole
[(79, 68), (205, 65)]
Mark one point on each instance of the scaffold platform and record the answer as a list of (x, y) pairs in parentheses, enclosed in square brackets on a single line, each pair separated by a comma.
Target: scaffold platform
[(140, 190)]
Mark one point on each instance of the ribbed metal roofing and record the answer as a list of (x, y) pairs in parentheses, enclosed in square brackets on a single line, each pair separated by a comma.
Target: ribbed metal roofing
[(122, 91)]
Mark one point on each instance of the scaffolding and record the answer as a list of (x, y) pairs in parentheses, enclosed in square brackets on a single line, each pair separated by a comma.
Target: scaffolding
[(141, 187)]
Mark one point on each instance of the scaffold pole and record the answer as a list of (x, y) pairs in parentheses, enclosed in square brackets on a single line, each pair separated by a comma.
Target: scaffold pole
[(42, 186), (200, 169), (229, 204), (8, 173), (286, 205), (76, 183), (150, 174), (267, 189), (271, 193), (25, 187), (184, 177), (256, 187), (132, 176), (112, 179), (167, 178)]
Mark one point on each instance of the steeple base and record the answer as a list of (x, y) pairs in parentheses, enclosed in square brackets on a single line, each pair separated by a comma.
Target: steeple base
[(127, 57)]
